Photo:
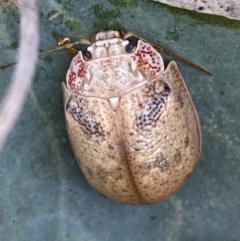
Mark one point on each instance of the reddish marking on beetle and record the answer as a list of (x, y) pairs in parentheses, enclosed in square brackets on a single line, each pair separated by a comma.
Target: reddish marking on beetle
[(82, 70), (151, 68), (71, 80), (106, 63)]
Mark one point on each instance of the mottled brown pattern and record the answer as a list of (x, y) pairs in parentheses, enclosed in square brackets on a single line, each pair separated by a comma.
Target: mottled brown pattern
[(78, 109), (154, 105)]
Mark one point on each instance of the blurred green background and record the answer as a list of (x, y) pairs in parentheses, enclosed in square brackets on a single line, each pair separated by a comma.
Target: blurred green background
[(43, 194)]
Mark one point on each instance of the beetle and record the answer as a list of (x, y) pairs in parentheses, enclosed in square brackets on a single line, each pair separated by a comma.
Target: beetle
[(132, 124)]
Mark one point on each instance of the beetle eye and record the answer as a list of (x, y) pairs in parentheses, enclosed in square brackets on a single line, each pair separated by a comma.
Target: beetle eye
[(87, 54), (130, 47)]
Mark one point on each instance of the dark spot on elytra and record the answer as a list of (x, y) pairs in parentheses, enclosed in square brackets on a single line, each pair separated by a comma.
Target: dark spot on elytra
[(101, 174), (76, 107), (177, 157), (146, 186), (110, 147), (180, 100), (186, 141), (201, 8), (152, 110), (160, 162), (89, 172), (163, 183)]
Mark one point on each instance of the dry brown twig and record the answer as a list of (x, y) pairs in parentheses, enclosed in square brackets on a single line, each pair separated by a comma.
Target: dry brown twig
[(21, 79), (6, 3)]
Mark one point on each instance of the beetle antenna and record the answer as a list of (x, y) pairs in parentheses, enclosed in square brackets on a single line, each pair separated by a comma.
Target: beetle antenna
[(62, 45), (169, 52)]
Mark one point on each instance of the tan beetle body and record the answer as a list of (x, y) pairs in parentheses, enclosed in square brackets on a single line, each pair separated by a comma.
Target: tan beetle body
[(132, 125)]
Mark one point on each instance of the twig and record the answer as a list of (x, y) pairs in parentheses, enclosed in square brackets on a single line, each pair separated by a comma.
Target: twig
[(21, 79)]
